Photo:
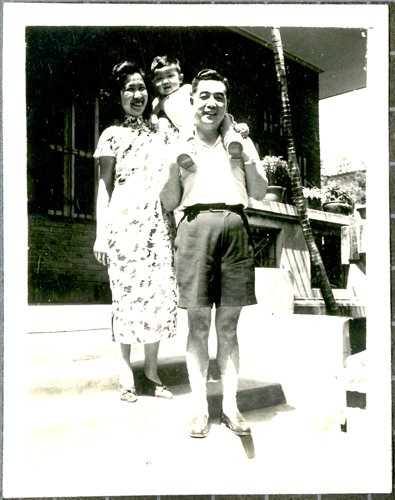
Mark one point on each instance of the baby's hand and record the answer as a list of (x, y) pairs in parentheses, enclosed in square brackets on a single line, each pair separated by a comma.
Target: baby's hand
[(242, 129), (153, 123)]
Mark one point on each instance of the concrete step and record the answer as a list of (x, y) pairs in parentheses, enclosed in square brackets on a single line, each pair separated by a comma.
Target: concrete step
[(280, 350), (76, 420), (252, 394)]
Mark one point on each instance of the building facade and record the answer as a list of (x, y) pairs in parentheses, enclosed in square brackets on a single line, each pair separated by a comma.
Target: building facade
[(69, 105)]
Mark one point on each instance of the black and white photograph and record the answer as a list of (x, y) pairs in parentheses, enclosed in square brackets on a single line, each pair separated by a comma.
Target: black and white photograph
[(196, 293)]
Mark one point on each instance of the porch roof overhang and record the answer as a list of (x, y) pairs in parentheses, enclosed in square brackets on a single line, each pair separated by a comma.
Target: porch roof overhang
[(337, 54)]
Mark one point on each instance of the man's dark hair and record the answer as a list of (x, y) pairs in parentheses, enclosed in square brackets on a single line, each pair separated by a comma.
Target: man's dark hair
[(209, 74), (119, 74), (160, 62)]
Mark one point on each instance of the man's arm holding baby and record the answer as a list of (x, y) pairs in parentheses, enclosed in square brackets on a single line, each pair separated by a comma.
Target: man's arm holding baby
[(171, 192), (256, 180)]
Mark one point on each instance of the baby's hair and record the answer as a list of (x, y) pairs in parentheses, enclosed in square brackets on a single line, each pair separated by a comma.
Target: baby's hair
[(209, 74), (124, 69), (160, 62)]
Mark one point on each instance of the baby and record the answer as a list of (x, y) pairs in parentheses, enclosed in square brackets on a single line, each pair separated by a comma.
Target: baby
[(174, 103)]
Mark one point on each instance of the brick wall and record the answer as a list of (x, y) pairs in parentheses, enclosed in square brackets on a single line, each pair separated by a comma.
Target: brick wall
[(62, 267)]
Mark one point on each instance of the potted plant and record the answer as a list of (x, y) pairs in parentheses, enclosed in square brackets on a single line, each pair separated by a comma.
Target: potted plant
[(314, 197), (277, 172), (337, 199)]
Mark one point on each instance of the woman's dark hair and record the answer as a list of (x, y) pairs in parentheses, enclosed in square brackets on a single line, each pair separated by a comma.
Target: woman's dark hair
[(209, 74), (119, 74)]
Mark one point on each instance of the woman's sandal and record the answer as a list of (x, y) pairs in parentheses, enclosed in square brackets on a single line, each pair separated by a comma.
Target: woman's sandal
[(128, 395), (151, 388)]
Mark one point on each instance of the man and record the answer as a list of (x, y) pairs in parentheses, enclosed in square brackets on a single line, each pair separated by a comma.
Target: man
[(213, 253)]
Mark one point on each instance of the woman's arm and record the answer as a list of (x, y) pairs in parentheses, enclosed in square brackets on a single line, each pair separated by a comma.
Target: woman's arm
[(171, 192), (106, 187)]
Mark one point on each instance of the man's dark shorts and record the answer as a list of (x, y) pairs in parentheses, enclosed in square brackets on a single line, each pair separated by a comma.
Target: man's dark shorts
[(214, 260)]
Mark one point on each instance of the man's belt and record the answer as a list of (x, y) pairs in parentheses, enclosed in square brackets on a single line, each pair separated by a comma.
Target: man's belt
[(192, 212), (212, 207)]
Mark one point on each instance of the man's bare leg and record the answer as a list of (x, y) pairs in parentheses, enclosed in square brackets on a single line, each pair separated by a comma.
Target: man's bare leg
[(228, 359), (199, 321)]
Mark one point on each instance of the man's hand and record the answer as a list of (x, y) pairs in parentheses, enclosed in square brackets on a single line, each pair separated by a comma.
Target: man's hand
[(249, 154)]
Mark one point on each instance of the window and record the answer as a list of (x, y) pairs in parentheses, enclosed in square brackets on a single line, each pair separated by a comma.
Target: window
[(329, 245), (62, 170), (264, 246), (72, 164)]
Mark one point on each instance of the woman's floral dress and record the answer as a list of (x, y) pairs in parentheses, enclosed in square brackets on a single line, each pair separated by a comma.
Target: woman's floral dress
[(140, 234)]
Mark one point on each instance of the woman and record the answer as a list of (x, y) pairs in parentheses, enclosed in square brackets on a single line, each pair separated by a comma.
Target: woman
[(134, 233)]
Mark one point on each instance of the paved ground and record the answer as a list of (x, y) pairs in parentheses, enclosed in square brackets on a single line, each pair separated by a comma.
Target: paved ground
[(84, 441)]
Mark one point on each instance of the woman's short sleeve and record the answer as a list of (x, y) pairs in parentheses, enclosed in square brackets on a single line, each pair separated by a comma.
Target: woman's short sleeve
[(105, 144)]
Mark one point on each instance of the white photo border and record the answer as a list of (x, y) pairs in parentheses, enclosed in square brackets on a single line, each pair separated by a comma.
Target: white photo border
[(17, 16)]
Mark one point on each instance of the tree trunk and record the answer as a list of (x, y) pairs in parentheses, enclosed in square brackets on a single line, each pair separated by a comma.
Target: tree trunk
[(300, 200)]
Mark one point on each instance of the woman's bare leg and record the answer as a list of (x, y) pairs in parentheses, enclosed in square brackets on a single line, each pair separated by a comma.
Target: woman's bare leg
[(126, 377), (151, 361)]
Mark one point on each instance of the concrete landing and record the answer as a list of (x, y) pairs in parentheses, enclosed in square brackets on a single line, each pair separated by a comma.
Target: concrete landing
[(252, 394), (83, 441), (95, 445), (274, 349)]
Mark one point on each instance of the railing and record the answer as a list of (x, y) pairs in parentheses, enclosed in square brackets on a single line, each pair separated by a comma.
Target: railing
[(283, 246)]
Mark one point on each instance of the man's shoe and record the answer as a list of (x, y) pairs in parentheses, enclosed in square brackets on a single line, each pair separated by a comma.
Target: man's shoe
[(198, 426), (236, 424)]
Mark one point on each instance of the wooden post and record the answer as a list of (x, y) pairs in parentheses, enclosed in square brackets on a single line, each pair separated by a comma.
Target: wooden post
[(300, 201)]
